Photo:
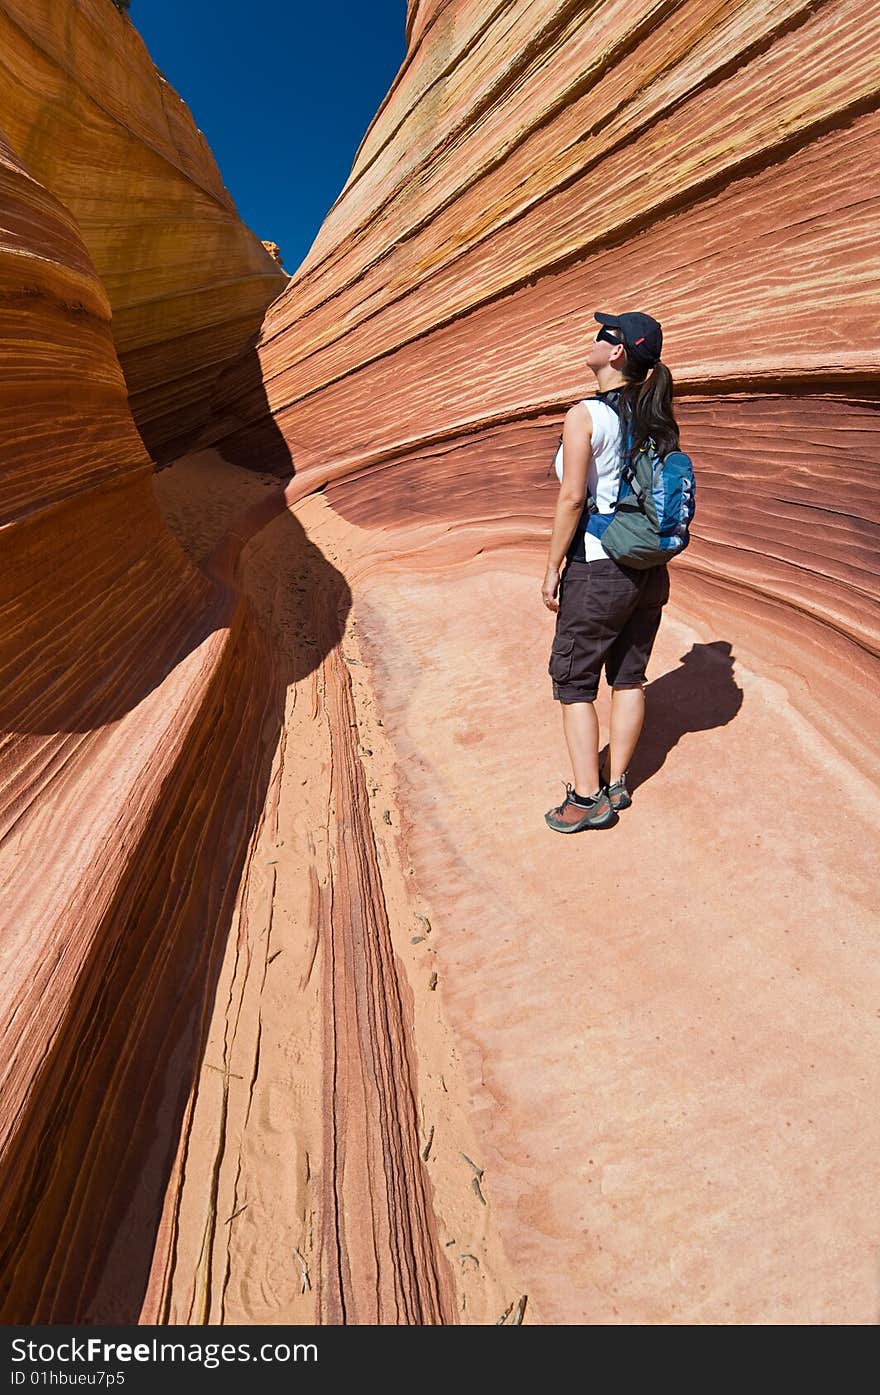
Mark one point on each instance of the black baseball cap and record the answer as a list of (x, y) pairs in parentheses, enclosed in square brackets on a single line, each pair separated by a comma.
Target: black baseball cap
[(641, 334)]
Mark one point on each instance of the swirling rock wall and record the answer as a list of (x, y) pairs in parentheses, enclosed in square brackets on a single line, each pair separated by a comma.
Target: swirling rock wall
[(143, 739), (84, 106), (125, 672), (709, 162), (117, 655), (227, 1091)]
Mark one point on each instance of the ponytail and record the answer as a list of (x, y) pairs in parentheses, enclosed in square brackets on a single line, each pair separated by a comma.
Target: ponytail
[(646, 409)]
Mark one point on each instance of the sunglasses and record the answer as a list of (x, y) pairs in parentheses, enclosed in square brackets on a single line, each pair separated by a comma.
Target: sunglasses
[(608, 335)]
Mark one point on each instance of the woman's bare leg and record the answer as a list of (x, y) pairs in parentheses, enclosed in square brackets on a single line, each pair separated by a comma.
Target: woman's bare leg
[(581, 727), (627, 717)]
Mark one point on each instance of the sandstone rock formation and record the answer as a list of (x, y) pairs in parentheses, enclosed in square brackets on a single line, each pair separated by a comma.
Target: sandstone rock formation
[(274, 250), (307, 1017), (123, 666), (709, 162), (143, 749), (85, 108)]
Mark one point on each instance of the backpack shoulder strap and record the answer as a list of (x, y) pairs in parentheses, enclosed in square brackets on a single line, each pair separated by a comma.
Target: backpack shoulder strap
[(629, 476), (611, 398)]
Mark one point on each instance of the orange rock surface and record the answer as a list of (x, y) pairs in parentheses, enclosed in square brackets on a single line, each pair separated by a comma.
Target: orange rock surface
[(710, 162), (118, 658), (83, 104), (307, 1015)]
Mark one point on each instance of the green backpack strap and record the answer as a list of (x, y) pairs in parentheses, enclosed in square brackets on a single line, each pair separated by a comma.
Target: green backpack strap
[(630, 476)]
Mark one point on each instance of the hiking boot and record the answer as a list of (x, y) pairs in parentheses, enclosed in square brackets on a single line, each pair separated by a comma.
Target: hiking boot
[(619, 796), (570, 817)]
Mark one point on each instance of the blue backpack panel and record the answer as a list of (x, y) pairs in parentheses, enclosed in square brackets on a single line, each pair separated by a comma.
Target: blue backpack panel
[(655, 505)]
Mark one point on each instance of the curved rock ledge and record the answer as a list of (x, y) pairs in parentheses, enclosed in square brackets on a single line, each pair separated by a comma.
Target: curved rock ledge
[(121, 663), (528, 166), (98, 125), (306, 1015)]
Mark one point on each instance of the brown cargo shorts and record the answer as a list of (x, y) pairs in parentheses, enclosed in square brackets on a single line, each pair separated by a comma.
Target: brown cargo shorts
[(608, 617)]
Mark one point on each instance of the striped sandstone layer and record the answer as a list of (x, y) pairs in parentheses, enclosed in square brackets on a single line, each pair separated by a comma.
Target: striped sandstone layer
[(308, 1016), (666, 1072), (143, 722), (121, 664), (711, 162), (84, 106)]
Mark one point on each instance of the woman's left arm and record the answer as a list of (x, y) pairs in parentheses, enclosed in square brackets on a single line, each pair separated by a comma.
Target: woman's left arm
[(577, 434)]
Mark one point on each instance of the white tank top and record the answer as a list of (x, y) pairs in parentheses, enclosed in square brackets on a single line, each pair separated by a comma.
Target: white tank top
[(603, 475)]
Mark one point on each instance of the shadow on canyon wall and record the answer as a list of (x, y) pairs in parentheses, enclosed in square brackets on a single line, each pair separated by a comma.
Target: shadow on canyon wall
[(85, 1176), (85, 1179), (252, 438), (698, 696)]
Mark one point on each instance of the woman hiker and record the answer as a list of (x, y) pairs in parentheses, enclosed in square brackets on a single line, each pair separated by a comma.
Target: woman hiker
[(607, 614)]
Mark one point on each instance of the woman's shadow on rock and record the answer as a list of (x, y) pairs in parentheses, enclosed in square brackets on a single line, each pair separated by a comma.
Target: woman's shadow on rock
[(699, 695)]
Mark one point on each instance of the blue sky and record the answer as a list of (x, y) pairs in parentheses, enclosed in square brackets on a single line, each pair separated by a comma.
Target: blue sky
[(283, 93)]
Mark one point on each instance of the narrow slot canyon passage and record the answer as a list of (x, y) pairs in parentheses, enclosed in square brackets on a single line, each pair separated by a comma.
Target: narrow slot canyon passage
[(307, 1016), (623, 1073)]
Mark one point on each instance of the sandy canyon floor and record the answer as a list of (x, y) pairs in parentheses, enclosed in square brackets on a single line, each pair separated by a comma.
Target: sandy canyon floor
[(643, 1061)]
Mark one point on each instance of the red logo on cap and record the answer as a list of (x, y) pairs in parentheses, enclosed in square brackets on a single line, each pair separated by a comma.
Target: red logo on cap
[(641, 341)]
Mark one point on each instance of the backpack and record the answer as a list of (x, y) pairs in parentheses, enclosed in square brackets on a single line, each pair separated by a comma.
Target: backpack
[(654, 509)]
